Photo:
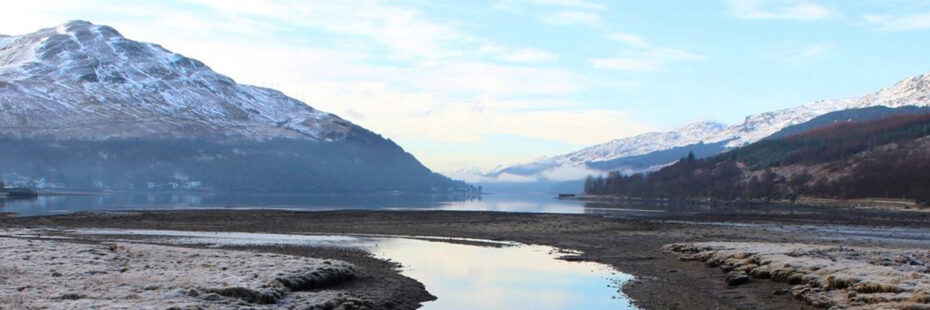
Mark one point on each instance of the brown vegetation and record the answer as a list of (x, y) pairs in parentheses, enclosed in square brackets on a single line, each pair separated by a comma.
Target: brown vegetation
[(887, 158)]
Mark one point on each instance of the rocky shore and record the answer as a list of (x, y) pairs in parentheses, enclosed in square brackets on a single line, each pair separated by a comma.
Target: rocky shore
[(832, 277), (63, 274), (636, 244)]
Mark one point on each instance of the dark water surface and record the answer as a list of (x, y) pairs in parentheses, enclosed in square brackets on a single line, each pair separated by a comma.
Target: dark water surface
[(122, 201)]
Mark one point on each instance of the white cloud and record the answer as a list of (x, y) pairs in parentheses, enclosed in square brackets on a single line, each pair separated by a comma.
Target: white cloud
[(641, 55), (809, 53), (518, 55), (558, 173), (558, 12), (427, 116), (778, 9), (529, 55), (629, 39), (502, 178), (571, 4), (568, 173), (905, 22), (573, 18), (521, 6), (405, 31), (652, 59), (389, 68)]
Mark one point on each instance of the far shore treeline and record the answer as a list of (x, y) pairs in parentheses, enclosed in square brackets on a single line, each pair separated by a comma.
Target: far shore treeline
[(886, 158)]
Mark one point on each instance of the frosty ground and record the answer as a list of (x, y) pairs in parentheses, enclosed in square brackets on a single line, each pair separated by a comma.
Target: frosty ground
[(62, 274), (631, 243)]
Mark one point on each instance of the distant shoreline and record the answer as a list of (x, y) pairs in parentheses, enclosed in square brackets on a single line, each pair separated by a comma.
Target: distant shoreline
[(66, 193), (873, 203)]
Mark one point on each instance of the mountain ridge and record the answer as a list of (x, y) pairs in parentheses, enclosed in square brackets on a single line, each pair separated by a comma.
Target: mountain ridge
[(913, 90), (82, 107), (884, 156), (93, 83)]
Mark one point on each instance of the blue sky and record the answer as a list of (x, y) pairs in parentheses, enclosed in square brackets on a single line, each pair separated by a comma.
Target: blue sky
[(480, 83)]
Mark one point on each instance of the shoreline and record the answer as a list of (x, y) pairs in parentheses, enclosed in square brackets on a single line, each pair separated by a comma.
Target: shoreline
[(631, 245), (370, 282), (891, 204)]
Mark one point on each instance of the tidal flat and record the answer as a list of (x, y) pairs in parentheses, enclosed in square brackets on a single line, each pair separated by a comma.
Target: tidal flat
[(634, 245)]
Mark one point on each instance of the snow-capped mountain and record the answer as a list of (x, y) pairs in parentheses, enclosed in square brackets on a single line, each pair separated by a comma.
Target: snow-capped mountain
[(642, 144), (651, 150), (80, 80), (81, 106), (914, 90)]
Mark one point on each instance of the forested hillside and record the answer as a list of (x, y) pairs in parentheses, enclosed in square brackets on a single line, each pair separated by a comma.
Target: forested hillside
[(888, 157)]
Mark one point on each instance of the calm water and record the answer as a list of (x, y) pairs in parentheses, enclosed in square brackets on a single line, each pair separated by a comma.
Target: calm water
[(46, 205), (506, 276), (509, 276)]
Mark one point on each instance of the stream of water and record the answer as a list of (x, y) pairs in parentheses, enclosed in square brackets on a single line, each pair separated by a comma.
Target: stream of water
[(478, 275)]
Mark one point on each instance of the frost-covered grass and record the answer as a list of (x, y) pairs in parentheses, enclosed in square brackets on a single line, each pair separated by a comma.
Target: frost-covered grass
[(56, 274), (826, 276)]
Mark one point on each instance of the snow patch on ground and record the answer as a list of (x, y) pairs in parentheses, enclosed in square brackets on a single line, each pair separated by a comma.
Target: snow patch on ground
[(68, 275), (832, 277)]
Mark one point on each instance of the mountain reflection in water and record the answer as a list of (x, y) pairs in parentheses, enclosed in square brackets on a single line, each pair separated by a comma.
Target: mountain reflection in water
[(123, 201)]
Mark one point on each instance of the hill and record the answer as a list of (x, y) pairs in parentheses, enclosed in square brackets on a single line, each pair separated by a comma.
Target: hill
[(887, 158), (651, 151), (83, 107)]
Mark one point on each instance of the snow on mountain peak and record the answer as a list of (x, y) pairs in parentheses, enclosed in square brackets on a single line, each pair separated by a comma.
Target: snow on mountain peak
[(80, 80), (701, 129), (753, 128), (758, 126), (642, 144), (911, 91)]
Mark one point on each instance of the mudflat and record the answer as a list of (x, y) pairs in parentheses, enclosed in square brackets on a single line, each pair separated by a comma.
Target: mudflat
[(632, 242)]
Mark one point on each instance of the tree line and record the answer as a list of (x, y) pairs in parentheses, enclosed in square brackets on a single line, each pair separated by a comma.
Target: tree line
[(898, 170)]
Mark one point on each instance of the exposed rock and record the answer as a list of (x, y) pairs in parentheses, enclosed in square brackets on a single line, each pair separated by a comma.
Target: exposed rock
[(824, 276), (736, 278)]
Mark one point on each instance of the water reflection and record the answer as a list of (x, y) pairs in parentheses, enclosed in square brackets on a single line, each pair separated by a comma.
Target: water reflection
[(45, 205), (461, 276), (520, 277), (530, 203)]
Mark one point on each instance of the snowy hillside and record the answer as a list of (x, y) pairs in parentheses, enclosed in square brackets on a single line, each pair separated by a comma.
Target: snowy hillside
[(914, 90), (83, 107), (86, 81), (644, 143), (911, 91)]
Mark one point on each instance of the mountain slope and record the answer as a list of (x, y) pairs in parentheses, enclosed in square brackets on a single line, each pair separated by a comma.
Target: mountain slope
[(644, 143), (845, 116), (81, 106), (80, 80), (887, 157), (650, 151)]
